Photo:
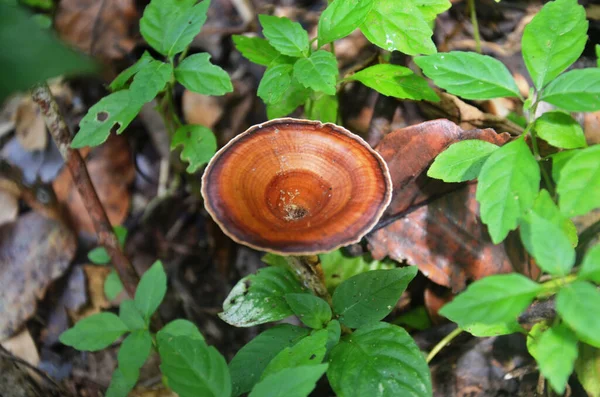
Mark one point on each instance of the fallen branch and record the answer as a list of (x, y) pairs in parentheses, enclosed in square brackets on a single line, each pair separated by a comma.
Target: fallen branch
[(106, 237)]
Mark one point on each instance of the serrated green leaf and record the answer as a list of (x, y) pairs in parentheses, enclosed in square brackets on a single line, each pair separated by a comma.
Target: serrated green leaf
[(587, 368), (199, 145), (462, 161), (293, 97), (197, 74), (308, 351), (94, 332), (99, 256), (289, 38), (134, 350), (396, 81), (579, 183), (255, 49), (545, 207), (334, 331), (122, 382), (560, 130), (469, 75), (170, 26), (338, 268), (398, 26), (151, 290), (290, 382), (590, 267), (313, 311), (543, 235), (319, 71), (379, 360), (507, 187), (555, 351), (259, 298), (431, 8), (181, 327), (370, 296), (493, 300), (251, 360), (342, 17), (119, 108), (112, 285), (150, 80), (577, 305), (559, 160), (193, 368), (121, 80), (131, 316), (275, 82), (576, 91), (549, 48), (324, 108), (483, 330)]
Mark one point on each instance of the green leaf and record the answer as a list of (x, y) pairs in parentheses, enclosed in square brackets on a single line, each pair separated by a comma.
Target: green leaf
[(379, 360), (469, 75), (319, 71), (483, 330), (151, 290), (259, 298), (99, 256), (122, 382), (251, 360), (181, 327), (94, 332), (30, 54), (289, 38), (197, 74), (255, 49), (462, 161), (308, 351), (342, 17), (555, 352), (543, 235), (199, 145), (275, 82), (293, 97), (577, 305), (370, 296), (324, 108), (492, 300), (549, 48), (338, 268), (507, 186), (590, 268), (560, 130), (193, 368), (575, 91), (313, 311), (578, 186), (431, 8), (587, 368), (131, 316), (334, 331), (290, 382), (150, 80), (559, 160), (416, 318), (134, 350), (398, 26), (119, 108), (545, 207), (170, 26), (396, 81), (123, 78), (598, 54), (112, 285)]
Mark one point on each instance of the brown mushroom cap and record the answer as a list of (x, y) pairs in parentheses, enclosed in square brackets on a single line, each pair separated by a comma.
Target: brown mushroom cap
[(296, 187)]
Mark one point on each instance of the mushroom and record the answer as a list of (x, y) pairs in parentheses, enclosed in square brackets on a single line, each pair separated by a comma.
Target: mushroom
[(296, 188)]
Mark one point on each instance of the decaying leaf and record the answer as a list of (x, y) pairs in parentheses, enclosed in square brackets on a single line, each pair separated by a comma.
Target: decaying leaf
[(22, 345), (9, 203), (111, 169), (34, 251), (30, 126)]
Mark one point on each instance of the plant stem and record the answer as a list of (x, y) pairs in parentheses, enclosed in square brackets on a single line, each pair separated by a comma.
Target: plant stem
[(551, 287), (441, 344), (106, 237), (475, 25), (309, 271)]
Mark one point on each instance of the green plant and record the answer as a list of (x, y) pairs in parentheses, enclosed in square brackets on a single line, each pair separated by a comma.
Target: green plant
[(510, 197)]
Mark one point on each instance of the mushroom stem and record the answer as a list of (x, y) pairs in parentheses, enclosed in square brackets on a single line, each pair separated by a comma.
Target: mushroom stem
[(309, 271)]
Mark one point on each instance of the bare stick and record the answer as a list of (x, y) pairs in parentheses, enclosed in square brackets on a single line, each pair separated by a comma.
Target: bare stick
[(106, 237)]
